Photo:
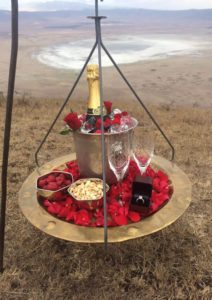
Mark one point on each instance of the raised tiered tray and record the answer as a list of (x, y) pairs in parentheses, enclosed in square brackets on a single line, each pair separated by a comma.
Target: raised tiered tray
[(47, 223)]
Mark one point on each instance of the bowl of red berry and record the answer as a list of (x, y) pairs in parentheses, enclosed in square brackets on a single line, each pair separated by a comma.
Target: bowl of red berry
[(53, 182)]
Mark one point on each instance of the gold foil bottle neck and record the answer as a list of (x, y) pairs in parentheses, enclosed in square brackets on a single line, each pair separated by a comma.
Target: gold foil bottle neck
[(94, 106), (92, 72)]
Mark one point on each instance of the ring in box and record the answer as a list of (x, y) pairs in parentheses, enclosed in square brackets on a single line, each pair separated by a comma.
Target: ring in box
[(141, 193)]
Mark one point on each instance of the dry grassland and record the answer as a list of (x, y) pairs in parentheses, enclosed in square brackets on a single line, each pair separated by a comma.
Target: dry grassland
[(172, 264)]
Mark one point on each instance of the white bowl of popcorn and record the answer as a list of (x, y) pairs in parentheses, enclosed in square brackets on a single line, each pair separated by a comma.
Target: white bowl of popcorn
[(88, 192)]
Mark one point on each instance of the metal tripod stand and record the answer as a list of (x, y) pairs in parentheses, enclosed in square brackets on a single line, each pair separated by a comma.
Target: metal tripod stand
[(99, 45)]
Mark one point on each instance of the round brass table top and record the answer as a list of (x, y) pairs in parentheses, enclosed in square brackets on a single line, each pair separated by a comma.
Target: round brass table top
[(49, 224)]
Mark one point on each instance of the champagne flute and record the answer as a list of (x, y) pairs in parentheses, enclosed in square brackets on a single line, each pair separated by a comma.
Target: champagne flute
[(119, 155), (143, 145)]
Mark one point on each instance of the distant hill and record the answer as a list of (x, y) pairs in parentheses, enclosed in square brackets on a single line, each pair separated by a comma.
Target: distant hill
[(167, 14), (54, 9), (158, 21)]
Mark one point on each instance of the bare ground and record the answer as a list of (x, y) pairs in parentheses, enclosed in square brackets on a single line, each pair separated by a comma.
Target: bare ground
[(172, 264)]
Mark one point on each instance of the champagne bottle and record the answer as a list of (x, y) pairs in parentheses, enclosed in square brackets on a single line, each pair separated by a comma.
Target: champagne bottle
[(94, 106)]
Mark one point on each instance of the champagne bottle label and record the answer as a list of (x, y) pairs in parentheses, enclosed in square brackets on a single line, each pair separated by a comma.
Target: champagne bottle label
[(94, 107)]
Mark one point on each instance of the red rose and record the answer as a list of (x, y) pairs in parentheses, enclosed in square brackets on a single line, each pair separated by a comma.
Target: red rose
[(107, 123), (108, 106), (98, 123), (117, 116), (73, 121), (117, 119)]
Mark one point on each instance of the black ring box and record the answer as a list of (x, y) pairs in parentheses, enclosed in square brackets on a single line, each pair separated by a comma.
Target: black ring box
[(141, 193)]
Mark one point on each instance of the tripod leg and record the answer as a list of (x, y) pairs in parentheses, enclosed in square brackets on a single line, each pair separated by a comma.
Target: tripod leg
[(8, 119), (140, 101), (64, 104), (99, 37)]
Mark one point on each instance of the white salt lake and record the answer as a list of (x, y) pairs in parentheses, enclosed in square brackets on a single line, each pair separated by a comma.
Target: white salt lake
[(125, 50)]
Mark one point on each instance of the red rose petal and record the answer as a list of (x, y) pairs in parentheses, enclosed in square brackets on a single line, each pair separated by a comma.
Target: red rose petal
[(58, 196), (82, 217), (120, 220), (69, 201), (57, 206), (47, 203), (64, 212), (162, 175), (70, 215), (150, 172), (99, 221), (54, 208), (164, 184), (134, 216), (64, 206)]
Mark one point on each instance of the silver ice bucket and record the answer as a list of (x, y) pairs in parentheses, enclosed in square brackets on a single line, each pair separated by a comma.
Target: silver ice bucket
[(89, 153)]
